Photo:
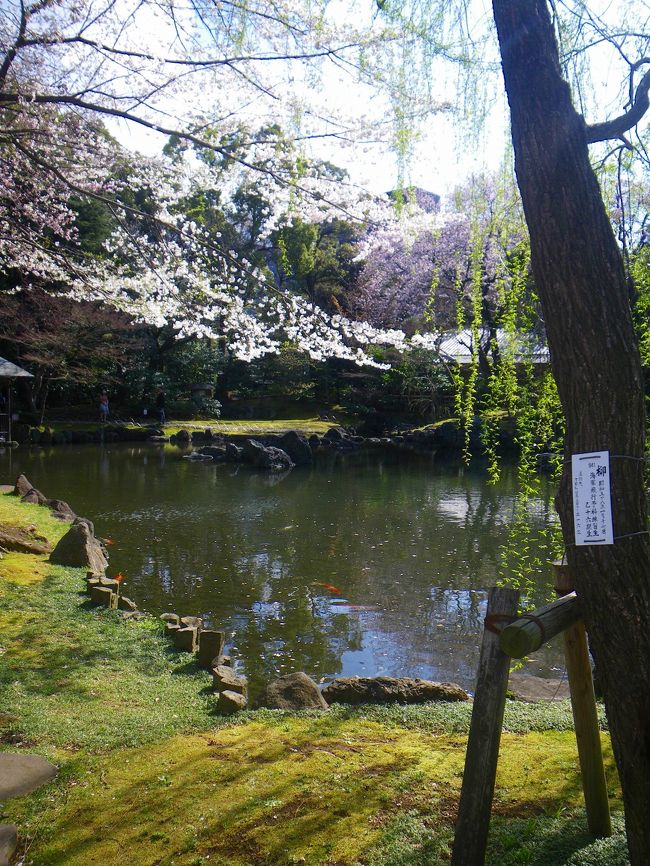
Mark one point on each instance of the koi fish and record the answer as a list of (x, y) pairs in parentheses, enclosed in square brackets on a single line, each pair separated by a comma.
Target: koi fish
[(108, 541), (119, 577), (357, 607), (329, 587)]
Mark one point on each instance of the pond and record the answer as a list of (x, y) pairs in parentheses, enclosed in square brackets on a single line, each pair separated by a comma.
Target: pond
[(368, 563)]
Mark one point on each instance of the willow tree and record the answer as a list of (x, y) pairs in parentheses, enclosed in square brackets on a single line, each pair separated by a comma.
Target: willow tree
[(583, 290), (584, 293)]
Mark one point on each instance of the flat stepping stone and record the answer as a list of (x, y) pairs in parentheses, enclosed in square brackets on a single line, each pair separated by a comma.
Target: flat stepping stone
[(20, 774), (8, 842)]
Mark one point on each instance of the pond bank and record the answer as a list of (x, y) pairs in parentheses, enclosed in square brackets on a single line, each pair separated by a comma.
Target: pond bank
[(149, 775), (445, 435)]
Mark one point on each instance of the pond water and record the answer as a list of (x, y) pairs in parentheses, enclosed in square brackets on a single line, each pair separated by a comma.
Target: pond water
[(368, 563)]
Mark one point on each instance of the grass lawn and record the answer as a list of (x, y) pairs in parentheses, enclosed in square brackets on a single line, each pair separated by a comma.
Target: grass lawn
[(253, 427), (150, 775)]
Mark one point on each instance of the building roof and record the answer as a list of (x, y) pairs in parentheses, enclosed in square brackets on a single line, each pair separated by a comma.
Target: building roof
[(428, 201), (12, 371), (527, 347)]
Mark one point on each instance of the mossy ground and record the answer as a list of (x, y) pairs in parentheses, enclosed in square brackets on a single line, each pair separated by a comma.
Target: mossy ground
[(252, 427), (149, 775), (306, 426)]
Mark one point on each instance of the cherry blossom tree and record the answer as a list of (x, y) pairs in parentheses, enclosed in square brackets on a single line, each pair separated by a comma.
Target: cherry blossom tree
[(421, 272), (67, 69)]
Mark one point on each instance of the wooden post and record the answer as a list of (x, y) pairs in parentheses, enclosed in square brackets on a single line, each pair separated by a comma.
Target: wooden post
[(476, 794), (585, 716), (531, 630)]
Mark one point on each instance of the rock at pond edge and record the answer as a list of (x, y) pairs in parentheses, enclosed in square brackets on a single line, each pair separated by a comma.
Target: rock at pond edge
[(80, 549), (230, 702), (390, 690), (293, 692)]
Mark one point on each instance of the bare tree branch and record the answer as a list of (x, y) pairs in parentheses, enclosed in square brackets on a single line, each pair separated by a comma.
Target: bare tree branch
[(621, 124)]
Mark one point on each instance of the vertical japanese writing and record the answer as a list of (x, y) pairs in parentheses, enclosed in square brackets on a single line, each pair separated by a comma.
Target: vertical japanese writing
[(592, 504)]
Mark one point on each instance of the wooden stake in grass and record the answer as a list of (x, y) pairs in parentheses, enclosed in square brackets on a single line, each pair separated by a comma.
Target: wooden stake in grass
[(484, 736), (585, 715)]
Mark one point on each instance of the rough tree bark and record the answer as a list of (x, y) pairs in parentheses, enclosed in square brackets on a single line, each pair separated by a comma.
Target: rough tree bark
[(579, 275)]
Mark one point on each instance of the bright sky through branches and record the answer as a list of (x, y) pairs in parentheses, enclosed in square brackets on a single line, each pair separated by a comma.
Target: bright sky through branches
[(347, 117), (353, 114)]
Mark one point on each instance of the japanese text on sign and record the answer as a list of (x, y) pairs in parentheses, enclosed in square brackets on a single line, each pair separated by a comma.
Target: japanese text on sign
[(592, 499)]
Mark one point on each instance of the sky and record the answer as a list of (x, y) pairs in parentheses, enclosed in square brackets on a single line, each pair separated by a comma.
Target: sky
[(442, 154), (440, 162), (447, 150)]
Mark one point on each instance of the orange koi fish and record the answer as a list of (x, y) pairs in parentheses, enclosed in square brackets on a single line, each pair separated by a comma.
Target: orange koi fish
[(119, 577), (329, 587), (108, 541)]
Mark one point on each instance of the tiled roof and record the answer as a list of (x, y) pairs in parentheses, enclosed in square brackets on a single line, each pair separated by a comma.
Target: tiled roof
[(12, 371), (458, 347)]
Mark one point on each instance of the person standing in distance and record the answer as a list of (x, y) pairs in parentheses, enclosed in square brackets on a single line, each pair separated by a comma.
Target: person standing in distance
[(103, 407), (160, 406)]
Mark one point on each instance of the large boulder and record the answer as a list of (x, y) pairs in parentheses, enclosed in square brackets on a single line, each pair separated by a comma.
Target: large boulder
[(390, 690), (183, 436), (22, 486), (252, 451), (276, 460), (335, 435), (293, 692), (216, 452), (233, 452), (297, 447), (61, 510), (80, 549), (273, 459), (33, 497)]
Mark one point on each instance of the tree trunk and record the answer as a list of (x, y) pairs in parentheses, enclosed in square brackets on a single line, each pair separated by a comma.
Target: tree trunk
[(45, 390), (579, 275)]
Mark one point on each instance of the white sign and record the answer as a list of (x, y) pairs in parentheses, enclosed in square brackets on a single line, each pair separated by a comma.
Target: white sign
[(592, 498)]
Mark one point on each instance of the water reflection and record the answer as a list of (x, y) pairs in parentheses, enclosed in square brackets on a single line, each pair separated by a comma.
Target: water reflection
[(409, 545)]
